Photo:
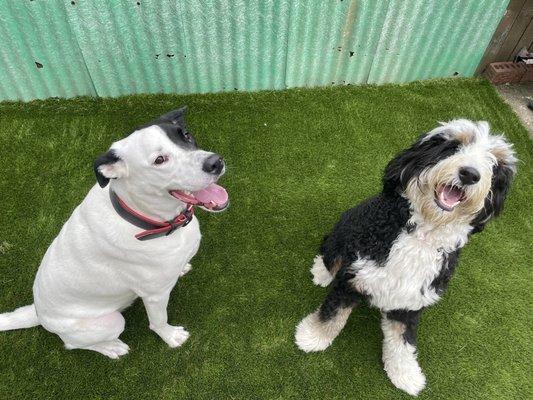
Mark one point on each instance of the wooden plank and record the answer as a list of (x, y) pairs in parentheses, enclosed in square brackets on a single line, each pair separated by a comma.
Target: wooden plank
[(500, 35), (517, 30), (526, 39)]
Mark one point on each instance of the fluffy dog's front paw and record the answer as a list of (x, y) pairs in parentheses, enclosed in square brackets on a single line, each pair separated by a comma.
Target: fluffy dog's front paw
[(174, 336), (185, 269), (311, 334), (407, 377)]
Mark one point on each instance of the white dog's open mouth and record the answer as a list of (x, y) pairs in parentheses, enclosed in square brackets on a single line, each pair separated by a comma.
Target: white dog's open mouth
[(213, 198), (448, 197)]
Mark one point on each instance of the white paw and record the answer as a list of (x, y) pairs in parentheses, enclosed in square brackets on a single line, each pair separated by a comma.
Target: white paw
[(174, 336), (321, 275), (112, 349), (311, 336), (407, 377), (185, 269)]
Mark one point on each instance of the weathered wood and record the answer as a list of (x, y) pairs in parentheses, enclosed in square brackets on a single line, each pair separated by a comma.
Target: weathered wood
[(492, 53), (526, 40), (517, 30)]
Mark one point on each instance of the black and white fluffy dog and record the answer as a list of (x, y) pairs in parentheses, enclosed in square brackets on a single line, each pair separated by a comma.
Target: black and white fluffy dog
[(399, 249)]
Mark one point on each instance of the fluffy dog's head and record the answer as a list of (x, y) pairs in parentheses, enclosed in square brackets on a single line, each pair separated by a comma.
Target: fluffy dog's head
[(162, 159), (457, 172)]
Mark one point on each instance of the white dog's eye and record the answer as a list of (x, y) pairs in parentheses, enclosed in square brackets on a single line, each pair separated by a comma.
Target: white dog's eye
[(160, 160)]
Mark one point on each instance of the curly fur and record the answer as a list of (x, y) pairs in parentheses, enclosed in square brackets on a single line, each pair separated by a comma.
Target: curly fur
[(399, 249)]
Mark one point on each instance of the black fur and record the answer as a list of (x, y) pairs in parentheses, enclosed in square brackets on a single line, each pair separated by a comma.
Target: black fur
[(341, 295), (502, 177), (449, 262), (411, 162), (174, 125), (107, 158), (368, 230), (410, 319)]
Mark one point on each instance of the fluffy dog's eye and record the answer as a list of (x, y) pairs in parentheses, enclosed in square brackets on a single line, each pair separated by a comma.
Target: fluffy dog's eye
[(160, 160)]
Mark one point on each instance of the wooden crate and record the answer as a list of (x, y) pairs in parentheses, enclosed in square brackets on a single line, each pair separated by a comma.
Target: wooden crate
[(505, 72)]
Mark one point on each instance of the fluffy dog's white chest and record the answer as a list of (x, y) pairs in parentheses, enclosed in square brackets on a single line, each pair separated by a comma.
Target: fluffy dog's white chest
[(404, 280)]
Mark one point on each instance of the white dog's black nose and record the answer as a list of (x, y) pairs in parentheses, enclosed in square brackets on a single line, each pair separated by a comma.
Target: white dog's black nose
[(213, 164), (469, 175)]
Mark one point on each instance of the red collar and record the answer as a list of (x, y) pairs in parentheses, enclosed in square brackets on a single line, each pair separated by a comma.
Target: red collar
[(152, 228)]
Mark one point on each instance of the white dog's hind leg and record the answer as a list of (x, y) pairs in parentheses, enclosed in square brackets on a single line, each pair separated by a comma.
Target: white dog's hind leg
[(399, 356), (112, 349), (321, 275), (97, 334), (185, 269), (156, 308)]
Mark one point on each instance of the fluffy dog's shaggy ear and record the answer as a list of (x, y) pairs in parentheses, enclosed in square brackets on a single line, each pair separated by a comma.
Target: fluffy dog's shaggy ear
[(175, 116), (108, 166), (423, 154), (502, 176)]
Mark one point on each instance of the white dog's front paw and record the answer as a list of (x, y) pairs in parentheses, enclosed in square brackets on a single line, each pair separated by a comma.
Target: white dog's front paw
[(407, 377), (185, 269), (174, 336)]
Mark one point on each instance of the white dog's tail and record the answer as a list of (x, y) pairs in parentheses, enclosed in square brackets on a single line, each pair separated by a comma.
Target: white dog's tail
[(23, 317)]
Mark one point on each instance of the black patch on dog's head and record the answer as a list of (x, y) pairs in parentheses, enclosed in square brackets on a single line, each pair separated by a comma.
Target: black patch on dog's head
[(502, 177), (174, 125), (412, 161), (107, 158)]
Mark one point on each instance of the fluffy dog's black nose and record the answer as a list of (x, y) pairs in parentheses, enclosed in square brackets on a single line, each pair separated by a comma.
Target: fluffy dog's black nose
[(213, 164), (469, 175)]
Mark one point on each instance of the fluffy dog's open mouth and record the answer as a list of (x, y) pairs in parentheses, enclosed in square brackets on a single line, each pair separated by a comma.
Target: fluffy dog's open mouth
[(448, 197), (213, 198)]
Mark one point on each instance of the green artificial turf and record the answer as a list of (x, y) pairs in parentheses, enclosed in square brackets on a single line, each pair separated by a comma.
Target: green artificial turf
[(296, 159)]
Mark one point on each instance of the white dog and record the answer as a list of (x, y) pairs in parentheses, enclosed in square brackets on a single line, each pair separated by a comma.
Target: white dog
[(131, 238)]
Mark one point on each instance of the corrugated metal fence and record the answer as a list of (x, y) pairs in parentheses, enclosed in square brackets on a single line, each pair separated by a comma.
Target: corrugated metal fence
[(116, 47)]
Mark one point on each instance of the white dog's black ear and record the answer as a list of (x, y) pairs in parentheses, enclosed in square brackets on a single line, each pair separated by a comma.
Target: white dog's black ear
[(108, 166), (175, 116)]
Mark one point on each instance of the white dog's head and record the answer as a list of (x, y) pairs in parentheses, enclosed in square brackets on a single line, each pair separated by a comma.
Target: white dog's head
[(457, 172), (162, 159)]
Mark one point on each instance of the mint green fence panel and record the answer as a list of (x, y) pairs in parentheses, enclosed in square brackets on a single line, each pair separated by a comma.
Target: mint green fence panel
[(130, 47), (429, 39), (68, 48), (39, 54), (333, 42), (236, 45)]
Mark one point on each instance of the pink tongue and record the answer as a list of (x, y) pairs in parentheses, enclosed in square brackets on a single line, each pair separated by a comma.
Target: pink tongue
[(451, 195), (214, 194)]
